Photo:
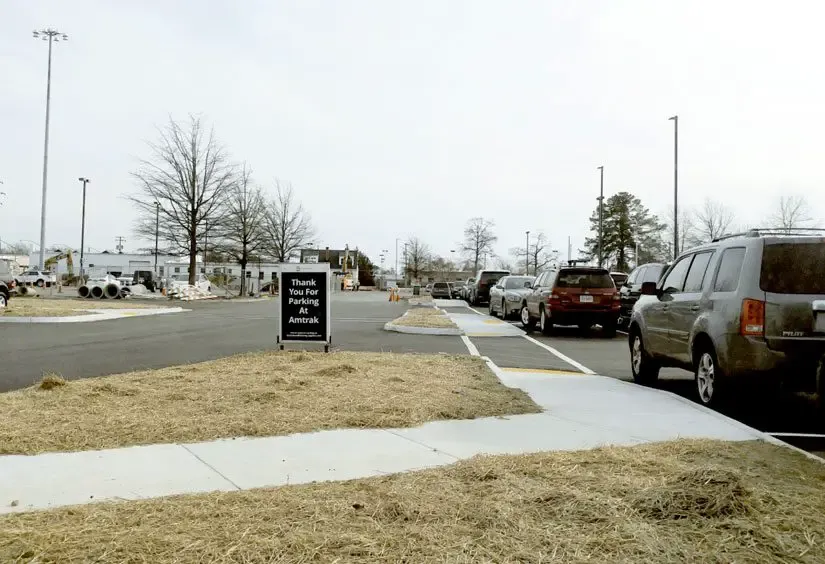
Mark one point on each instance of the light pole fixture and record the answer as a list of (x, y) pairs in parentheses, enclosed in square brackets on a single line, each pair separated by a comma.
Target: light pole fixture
[(527, 256), (52, 36), (601, 215), (675, 120), (85, 181), (157, 235)]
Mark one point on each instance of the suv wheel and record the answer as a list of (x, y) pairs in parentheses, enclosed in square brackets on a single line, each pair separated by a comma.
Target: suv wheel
[(545, 323), (609, 329), (820, 388), (645, 369), (708, 377), (4, 300), (40, 283), (503, 310), (526, 321), (492, 310)]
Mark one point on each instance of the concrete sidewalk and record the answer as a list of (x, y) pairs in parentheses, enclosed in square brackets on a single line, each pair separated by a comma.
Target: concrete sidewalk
[(581, 412)]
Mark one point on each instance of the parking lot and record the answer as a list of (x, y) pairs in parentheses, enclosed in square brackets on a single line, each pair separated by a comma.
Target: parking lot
[(212, 330)]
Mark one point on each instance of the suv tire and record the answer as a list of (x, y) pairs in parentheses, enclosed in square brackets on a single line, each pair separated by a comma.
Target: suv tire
[(492, 310), (609, 329), (526, 321), (708, 377), (40, 283), (4, 299), (504, 310), (645, 370), (820, 388), (545, 323)]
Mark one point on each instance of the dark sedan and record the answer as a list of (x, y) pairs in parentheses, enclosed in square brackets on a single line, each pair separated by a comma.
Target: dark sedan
[(630, 291)]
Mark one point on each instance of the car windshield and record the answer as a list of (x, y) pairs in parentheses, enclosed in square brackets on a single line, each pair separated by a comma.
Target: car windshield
[(516, 282), (793, 268), (574, 278), (440, 285), (180, 277)]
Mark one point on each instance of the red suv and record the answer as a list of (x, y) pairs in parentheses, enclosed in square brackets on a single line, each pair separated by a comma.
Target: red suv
[(581, 295)]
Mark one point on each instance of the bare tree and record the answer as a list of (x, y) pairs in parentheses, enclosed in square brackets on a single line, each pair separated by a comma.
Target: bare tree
[(241, 231), (687, 232), (287, 224), (185, 181), (478, 240), (711, 221), (417, 257), (541, 255), (793, 213)]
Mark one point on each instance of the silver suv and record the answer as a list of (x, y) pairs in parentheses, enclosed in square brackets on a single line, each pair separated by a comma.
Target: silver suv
[(747, 309)]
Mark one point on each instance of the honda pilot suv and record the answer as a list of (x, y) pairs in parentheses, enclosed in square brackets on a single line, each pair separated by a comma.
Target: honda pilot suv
[(581, 295), (746, 311)]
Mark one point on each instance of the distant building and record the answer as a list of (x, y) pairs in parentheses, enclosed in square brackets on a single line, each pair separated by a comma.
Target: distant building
[(335, 259), (116, 264)]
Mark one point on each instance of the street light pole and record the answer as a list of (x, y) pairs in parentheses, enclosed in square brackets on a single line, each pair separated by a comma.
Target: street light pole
[(601, 215), (396, 259), (52, 36), (82, 226), (527, 256), (675, 120), (157, 235)]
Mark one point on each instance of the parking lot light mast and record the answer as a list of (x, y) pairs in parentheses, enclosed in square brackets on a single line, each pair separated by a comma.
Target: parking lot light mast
[(157, 235), (675, 120), (52, 36), (85, 181), (527, 256), (601, 214)]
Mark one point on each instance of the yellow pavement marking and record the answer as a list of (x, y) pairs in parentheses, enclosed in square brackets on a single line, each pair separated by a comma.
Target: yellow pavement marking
[(494, 322), (488, 335), (544, 371)]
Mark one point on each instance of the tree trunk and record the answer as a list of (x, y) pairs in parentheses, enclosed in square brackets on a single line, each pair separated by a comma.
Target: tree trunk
[(243, 277), (193, 254)]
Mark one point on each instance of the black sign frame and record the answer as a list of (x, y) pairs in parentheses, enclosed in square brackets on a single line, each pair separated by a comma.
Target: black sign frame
[(304, 304)]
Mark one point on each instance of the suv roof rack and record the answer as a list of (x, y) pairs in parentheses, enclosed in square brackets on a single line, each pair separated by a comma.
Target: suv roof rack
[(774, 231)]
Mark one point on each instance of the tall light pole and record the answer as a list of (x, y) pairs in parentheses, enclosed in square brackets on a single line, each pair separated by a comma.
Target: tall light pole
[(601, 214), (527, 256), (85, 181), (157, 235), (675, 120), (52, 36), (396, 259)]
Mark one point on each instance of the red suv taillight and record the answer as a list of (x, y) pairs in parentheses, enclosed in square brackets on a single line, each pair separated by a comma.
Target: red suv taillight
[(752, 320)]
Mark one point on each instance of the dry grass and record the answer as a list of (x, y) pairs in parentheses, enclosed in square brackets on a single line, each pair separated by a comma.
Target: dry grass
[(425, 317), (262, 394), (44, 307), (686, 501)]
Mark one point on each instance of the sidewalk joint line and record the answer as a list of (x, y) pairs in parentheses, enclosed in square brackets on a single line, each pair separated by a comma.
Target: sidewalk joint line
[(419, 443), (215, 470)]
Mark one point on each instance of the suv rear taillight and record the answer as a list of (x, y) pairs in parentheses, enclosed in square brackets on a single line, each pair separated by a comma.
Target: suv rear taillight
[(752, 321)]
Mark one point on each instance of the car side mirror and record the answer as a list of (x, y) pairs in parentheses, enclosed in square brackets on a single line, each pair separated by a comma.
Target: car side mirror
[(649, 289), (528, 284)]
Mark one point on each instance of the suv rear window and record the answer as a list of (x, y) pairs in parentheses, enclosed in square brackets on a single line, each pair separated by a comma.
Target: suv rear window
[(579, 278), (492, 276), (793, 268), (440, 285)]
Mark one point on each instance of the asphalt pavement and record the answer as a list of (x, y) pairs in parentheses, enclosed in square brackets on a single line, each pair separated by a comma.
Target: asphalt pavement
[(212, 329)]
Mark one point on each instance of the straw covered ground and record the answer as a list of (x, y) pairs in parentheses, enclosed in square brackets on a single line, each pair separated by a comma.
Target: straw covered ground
[(259, 394), (685, 501), (44, 307), (429, 317)]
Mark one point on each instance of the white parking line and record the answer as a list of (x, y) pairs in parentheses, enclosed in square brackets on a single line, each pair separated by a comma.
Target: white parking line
[(564, 357), (470, 346)]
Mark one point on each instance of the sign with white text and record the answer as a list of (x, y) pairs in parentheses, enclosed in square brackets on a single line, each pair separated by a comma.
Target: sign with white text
[(304, 303)]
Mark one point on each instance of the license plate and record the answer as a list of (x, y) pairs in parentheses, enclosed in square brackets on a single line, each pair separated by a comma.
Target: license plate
[(819, 324), (586, 299)]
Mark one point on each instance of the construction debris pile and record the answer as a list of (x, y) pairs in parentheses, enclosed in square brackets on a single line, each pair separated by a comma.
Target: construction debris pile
[(187, 293)]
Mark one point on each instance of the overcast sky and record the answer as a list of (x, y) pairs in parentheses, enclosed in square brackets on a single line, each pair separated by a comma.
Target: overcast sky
[(394, 119)]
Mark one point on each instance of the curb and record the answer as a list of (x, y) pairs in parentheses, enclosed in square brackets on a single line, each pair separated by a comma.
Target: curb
[(423, 330), (96, 315)]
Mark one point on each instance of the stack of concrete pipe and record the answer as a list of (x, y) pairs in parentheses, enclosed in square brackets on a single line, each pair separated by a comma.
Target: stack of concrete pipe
[(102, 289)]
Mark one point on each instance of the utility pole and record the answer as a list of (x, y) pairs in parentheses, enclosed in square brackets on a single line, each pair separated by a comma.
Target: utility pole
[(52, 36), (396, 260), (119, 247), (601, 215), (157, 235), (675, 120), (569, 250), (83, 226), (406, 266), (205, 239), (527, 256)]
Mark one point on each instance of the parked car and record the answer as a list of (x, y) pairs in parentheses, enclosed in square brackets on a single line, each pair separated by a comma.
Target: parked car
[(576, 295), (442, 290), (745, 311), (630, 291), (465, 291), (508, 294), (618, 278), (457, 287), (38, 278), (5, 294), (485, 279), (428, 288)]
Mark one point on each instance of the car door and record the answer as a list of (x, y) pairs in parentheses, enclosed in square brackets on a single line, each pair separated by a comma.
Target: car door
[(657, 314), (686, 307), (534, 297)]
